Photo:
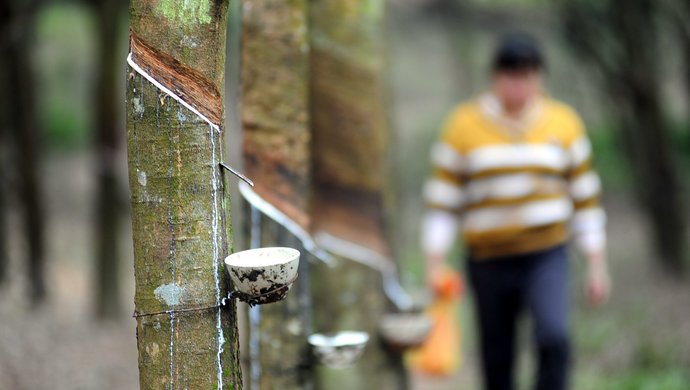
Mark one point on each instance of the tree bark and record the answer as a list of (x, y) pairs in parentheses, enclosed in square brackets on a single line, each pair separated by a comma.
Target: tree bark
[(349, 297), (629, 62), (108, 203), (349, 121), (281, 358), (319, 154), (644, 126), (180, 208), (5, 140), (678, 12), (276, 153), (275, 117), (4, 255), (352, 179), (26, 134)]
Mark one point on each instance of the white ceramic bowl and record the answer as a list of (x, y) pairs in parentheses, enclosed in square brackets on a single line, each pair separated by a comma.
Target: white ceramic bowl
[(405, 330), (340, 349), (259, 272)]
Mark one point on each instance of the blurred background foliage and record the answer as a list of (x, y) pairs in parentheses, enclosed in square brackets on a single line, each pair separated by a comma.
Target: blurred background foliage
[(65, 49), (623, 64)]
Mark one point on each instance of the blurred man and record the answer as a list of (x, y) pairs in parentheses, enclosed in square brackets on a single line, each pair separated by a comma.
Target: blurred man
[(512, 172)]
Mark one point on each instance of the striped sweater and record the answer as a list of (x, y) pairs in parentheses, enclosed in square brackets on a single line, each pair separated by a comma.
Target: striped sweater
[(514, 186)]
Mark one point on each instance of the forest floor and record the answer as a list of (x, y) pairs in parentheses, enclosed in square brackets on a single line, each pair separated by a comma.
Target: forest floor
[(640, 340)]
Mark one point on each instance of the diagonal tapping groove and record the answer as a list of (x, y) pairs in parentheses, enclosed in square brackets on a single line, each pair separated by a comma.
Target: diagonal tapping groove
[(183, 83)]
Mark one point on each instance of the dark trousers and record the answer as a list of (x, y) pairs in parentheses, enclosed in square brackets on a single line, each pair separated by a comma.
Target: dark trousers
[(503, 288)]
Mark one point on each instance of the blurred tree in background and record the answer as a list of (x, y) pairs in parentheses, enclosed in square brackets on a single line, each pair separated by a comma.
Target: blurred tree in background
[(108, 133), (4, 149), (21, 136), (622, 39), (678, 12), (20, 128)]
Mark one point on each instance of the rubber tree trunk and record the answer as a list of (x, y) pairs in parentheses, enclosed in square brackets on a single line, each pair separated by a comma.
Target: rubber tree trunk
[(275, 117), (25, 133), (636, 93), (349, 121), (276, 151), (278, 354), (180, 209), (352, 186), (4, 255), (315, 144), (679, 12), (647, 134), (108, 203), (5, 141)]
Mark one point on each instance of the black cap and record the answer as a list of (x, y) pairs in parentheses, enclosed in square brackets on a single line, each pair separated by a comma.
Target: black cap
[(518, 51)]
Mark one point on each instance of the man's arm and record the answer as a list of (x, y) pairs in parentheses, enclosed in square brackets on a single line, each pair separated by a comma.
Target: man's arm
[(443, 196), (589, 220)]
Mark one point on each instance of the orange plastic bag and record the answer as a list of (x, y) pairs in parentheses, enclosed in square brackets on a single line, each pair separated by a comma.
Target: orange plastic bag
[(440, 354)]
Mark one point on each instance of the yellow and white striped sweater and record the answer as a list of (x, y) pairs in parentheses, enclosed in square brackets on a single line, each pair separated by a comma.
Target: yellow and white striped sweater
[(516, 186)]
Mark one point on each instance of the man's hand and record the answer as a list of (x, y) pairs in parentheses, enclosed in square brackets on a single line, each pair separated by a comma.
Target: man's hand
[(434, 269), (598, 281)]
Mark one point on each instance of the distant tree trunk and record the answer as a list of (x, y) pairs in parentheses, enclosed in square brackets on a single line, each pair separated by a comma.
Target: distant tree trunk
[(629, 61), (280, 360), (108, 203), (276, 152), (26, 133), (349, 297), (352, 190), (678, 12), (645, 127), (180, 206), (686, 58), (5, 125), (319, 154), (4, 255), (275, 117)]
